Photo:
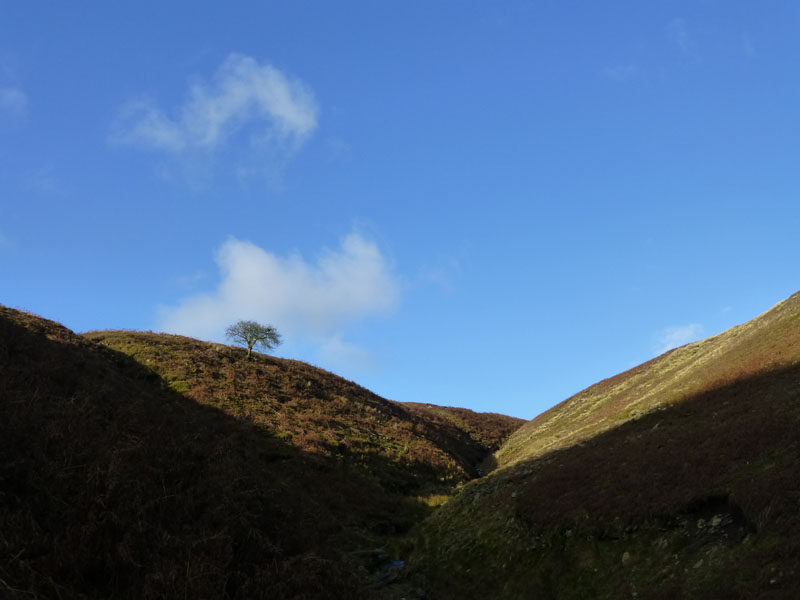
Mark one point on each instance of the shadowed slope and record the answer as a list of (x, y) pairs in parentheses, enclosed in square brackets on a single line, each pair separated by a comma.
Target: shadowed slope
[(113, 486), (477, 434), (181, 469), (697, 498)]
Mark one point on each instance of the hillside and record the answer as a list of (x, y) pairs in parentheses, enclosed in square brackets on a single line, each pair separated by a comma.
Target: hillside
[(141, 465), (477, 432), (678, 478), (770, 341), (404, 448), (148, 466)]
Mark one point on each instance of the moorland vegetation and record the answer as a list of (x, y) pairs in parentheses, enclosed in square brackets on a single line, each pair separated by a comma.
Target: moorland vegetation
[(142, 465), (676, 479), (139, 465)]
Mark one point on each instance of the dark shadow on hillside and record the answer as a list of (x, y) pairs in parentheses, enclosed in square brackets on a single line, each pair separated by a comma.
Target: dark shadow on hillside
[(707, 445), (698, 499), (488, 465), (111, 485), (429, 450)]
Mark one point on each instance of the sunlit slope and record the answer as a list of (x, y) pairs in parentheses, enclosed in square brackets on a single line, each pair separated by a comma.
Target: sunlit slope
[(406, 450), (696, 497), (769, 341), (476, 432)]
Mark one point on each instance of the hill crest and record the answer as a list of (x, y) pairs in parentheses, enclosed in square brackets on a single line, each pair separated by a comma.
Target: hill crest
[(683, 372)]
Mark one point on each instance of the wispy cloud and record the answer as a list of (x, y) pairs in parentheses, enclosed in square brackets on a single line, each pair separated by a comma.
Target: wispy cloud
[(337, 352), (672, 337), (748, 46), (441, 273), (679, 36), (337, 149), (13, 103), (312, 302), (243, 94), (190, 280), (42, 180), (5, 241), (619, 72)]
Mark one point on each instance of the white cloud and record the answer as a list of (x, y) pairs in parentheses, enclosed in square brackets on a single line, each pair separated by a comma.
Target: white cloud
[(672, 337), (13, 102), (243, 93), (312, 302), (337, 352)]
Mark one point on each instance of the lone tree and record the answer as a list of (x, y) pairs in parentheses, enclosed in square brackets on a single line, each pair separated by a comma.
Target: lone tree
[(251, 334)]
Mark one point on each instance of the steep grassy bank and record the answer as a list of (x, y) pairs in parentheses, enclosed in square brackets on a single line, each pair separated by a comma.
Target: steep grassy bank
[(407, 448), (180, 469), (676, 479), (770, 341), (112, 485)]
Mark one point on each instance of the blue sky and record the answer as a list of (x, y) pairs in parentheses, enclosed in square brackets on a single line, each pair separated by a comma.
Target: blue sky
[(488, 205)]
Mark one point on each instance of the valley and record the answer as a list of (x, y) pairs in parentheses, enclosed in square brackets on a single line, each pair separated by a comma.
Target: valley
[(142, 465)]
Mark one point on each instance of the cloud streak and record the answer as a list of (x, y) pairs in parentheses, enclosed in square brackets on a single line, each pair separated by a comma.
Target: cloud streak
[(312, 302), (243, 93), (13, 102), (619, 72), (748, 46), (679, 36), (672, 337)]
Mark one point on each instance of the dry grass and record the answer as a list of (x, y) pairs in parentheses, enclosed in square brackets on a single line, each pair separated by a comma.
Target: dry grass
[(769, 341), (113, 486), (146, 466), (403, 447)]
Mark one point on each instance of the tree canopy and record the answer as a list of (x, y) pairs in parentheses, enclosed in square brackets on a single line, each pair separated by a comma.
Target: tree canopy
[(252, 334)]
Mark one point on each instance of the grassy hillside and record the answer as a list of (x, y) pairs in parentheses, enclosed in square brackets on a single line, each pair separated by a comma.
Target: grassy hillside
[(476, 432), (180, 469), (406, 449), (138, 465), (770, 341), (678, 478)]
